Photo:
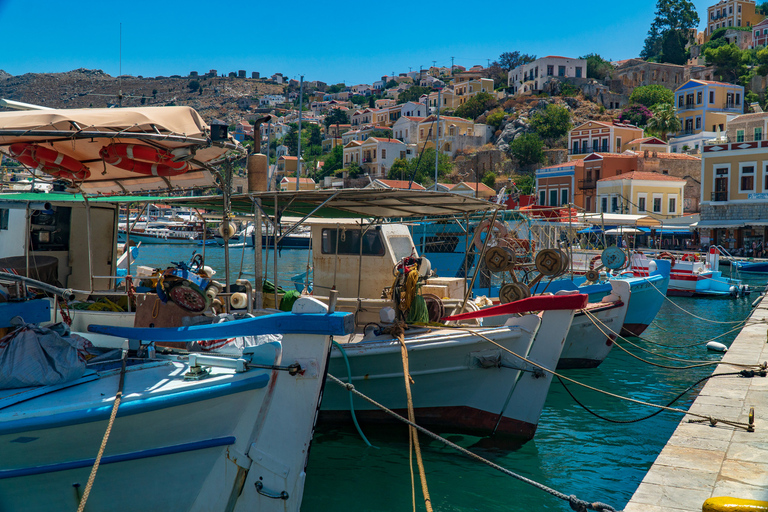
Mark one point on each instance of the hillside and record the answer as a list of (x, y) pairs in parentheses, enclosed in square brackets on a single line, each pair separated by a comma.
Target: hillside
[(83, 88)]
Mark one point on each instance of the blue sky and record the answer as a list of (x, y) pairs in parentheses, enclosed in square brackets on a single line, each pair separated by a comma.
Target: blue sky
[(333, 42)]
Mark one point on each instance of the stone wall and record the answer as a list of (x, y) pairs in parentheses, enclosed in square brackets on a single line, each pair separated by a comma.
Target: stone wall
[(737, 211), (683, 168)]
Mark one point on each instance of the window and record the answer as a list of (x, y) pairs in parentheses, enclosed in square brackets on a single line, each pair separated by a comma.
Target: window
[(560, 70), (564, 196), (758, 134), (739, 135), (698, 98), (553, 198), (747, 181), (614, 204), (698, 123), (604, 205), (383, 154), (550, 70), (4, 214), (575, 147), (578, 72), (656, 205), (618, 144), (711, 97), (641, 204), (349, 242), (738, 98), (543, 198), (595, 145), (680, 100)]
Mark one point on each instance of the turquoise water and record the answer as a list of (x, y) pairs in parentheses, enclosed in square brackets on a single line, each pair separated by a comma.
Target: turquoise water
[(573, 451)]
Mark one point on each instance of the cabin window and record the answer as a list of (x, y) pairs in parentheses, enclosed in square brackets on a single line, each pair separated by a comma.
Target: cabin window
[(402, 247), (349, 241), (4, 214)]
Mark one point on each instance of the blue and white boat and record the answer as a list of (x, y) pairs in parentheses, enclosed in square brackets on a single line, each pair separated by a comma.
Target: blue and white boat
[(757, 267)]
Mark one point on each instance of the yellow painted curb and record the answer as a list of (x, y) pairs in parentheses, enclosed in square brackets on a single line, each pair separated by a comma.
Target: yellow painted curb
[(728, 504)]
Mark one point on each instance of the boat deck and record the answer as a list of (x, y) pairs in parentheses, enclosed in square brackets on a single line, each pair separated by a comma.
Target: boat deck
[(702, 461)]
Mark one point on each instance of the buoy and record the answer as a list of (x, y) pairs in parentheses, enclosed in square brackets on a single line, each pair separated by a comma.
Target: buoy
[(726, 503), (734, 291), (238, 300), (717, 347)]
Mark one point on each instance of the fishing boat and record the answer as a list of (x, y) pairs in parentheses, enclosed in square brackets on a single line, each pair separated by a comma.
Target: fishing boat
[(165, 232), (753, 266), (209, 415), (692, 275)]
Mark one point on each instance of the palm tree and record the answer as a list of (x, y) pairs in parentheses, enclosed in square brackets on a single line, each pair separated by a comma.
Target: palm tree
[(664, 120)]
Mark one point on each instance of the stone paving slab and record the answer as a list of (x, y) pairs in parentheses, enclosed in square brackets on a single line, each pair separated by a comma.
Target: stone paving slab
[(700, 460)]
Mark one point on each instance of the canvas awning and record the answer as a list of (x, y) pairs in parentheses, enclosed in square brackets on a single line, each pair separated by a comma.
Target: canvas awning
[(82, 133), (623, 230), (718, 224)]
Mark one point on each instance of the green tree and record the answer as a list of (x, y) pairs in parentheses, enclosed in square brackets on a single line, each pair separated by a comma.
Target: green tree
[(671, 16), (762, 9), (336, 116), (524, 183), (597, 67), (673, 47), (476, 106), (333, 162), (551, 123), (422, 168), (354, 170), (358, 99), (413, 94), (383, 134), (193, 85), (314, 135), (390, 84), (336, 88), (490, 179), (664, 121), (510, 60), (650, 95), (528, 149), (291, 139), (729, 62), (495, 118)]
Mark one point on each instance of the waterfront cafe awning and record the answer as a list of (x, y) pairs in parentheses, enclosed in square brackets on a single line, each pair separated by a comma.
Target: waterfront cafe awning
[(667, 230), (623, 230), (718, 224), (618, 219)]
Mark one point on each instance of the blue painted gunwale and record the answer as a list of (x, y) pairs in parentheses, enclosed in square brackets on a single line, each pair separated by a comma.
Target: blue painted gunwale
[(331, 324), (32, 311), (137, 406), (123, 457)]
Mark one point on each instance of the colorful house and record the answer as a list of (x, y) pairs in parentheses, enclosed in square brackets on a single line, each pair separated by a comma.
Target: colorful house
[(760, 34), (532, 76), (703, 105), (289, 183), (734, 185), (731, 13), (555, 184), (288, 164), (597, 136), (376, 155), (640, 193)]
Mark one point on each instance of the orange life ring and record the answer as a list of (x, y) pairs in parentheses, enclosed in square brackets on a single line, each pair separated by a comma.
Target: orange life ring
[(143, 160), (486, 225), (688, 257), (49, 161), (667, 256)]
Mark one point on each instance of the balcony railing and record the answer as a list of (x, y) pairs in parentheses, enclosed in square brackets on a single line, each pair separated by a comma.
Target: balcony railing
[(688, 106), (587, 184), (720, 196), (730, 105)]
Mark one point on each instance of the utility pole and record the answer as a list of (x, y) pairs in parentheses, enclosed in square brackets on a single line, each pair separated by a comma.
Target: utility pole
[(298, 150), (437, 136)]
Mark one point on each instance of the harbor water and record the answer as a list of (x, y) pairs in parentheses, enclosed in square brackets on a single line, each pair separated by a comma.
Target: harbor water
[(575, 451)]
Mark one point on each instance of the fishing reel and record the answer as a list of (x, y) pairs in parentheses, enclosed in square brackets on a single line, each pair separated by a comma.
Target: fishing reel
[(189, 285), (612, 258), (409, 263)]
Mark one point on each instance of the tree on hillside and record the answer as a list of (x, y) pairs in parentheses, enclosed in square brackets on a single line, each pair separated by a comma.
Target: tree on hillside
[(336, 116), (422, 168), (390, 84), (650, 95), (333, 162), (489, 179), (673, 47), (476, 106), (671, 16), (336, 88), (664, 120), (510, 60), (413, 94), (729, 62), (551, 123), (528, 149), (762, 9), (597, 67)]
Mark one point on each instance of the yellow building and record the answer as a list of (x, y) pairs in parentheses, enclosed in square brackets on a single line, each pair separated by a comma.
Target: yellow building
[(703, 105), (460, 92), (598, 137), (731, 13), (641, 193), (734, 185), (288, 164), (449, 132)]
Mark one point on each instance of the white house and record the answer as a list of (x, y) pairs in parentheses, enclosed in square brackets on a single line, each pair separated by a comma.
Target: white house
[(532, 76), (406, 129), (376, 155)]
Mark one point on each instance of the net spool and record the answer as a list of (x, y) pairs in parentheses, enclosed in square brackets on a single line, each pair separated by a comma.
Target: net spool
[(549, 262), (498, 259), (511, 292), (613, 258), (592, 276), (238, 300), (565, 262)]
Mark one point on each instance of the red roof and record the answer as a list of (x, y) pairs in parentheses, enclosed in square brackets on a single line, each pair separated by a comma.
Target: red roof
[(401, 184), (287, 179), (380, 139), (638, 175)]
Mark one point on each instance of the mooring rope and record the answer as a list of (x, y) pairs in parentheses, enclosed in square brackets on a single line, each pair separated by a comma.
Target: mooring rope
[(575, 503), (711, 419), (95, 468), (351, 403), (688, 312)]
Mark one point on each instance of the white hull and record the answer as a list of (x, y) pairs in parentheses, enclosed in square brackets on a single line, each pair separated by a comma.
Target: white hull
[(463, 383)]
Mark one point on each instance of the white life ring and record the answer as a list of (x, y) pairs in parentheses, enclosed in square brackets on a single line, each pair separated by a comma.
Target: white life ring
[(498, 226)]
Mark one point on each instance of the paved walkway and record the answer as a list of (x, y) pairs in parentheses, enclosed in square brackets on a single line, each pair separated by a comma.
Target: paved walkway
[(701, 461)]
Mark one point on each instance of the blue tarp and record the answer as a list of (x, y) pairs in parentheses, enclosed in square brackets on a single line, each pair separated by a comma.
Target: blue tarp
[(668, 231)]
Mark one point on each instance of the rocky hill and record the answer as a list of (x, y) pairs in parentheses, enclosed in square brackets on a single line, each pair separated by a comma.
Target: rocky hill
[(228, 99)]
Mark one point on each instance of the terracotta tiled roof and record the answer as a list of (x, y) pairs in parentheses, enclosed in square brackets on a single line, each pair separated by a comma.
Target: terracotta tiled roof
[(380, 139), (401, 184), (638, 175), (476, 185), (288, 179), (677, 156), (647, 140)]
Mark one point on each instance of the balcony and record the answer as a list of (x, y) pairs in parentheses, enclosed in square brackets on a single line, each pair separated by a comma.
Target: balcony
[(721, 196), (587, 184), (730, 105), (688, 106)]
